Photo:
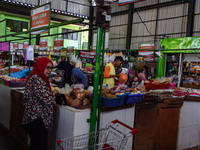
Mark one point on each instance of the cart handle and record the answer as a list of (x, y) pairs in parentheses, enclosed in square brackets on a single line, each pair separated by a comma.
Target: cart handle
[(133, 131)]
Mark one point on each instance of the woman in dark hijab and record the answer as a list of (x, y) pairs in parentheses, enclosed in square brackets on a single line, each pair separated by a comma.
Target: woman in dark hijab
[(66, 68)]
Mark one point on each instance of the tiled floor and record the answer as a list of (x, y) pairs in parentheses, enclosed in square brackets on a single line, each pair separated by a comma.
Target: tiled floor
[(6, 143)]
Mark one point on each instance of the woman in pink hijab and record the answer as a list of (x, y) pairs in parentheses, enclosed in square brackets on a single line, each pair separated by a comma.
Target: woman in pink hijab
[(141, 77)]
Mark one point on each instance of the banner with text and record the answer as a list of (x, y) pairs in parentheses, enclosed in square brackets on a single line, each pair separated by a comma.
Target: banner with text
[(147, 50), (43, 44), (40, 18), (58, 43)]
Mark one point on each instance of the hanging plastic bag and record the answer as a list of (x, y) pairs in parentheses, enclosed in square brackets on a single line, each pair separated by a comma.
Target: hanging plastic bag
[(141, 87)]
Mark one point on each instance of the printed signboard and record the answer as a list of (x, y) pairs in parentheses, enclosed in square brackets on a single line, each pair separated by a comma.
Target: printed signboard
[(58, 43), (43, 44), (26, 44), (40, 18), (148, 55)]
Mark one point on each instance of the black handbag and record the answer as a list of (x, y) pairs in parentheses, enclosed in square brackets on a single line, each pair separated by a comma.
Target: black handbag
[(61, 100)]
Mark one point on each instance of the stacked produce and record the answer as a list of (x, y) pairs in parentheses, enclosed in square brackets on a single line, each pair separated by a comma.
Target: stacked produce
[(2, 65), (158, 95), (13, 81), (180, 94), (8, 78), (78, 98), (4, 71), (122, 89), (15, 69), (135, 91), (162, 81)]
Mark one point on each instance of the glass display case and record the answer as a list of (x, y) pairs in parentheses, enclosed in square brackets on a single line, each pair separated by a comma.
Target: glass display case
[(191, 71)]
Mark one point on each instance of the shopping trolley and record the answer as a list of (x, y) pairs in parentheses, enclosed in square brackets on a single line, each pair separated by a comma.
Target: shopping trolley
[(109, 138)]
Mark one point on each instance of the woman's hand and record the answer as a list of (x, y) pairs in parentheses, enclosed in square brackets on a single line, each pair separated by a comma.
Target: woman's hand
[(56, 92)]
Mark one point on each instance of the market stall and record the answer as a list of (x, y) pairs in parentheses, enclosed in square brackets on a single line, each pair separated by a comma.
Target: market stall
[(180, 59)]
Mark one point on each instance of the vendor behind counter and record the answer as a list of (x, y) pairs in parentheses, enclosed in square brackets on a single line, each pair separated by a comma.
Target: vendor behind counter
[(72, 75), (109, 73)]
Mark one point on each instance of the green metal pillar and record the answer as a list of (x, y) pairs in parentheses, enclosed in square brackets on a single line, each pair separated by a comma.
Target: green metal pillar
[(96, 83), (102, 69), (161, 66)]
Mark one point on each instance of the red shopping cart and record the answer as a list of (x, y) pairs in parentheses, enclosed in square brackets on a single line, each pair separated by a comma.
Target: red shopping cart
[(109, 138)]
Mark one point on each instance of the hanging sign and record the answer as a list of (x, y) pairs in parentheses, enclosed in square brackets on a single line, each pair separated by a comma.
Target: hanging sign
[(15, 46), (12, 51), (124, 2), (25, 45), (20, 46), (84, 54), (87, 54), (70, 51), (93, 53), (20, 49), (58, 43), (57, 52), (148, 55), (43, 44), (40, 17)]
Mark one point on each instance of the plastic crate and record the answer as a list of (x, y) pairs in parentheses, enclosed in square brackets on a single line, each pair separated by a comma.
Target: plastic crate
[(113, 102), (151, 86), (136, 98)]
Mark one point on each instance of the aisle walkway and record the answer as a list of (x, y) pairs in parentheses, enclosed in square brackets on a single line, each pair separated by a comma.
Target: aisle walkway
[(6, 143)]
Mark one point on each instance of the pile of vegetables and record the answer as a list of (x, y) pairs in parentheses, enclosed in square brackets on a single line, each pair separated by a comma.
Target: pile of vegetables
[(8, 78), (120, 89), (180, 93), (108, 93), (113, 92), (78, 98)]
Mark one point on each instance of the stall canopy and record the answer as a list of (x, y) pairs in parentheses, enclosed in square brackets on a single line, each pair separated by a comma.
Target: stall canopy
[(189, 45)]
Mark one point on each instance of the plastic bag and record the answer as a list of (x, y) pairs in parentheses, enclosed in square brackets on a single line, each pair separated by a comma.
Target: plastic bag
[(73, 58), (141, 87), (78, 64), (67, 88), (78, 86), (106, 58), (90, 89)]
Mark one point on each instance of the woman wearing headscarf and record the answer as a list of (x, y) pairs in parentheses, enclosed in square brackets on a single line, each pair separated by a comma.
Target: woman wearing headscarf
[(66, 68), (141, 77), (72, 75), (39, 100)]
